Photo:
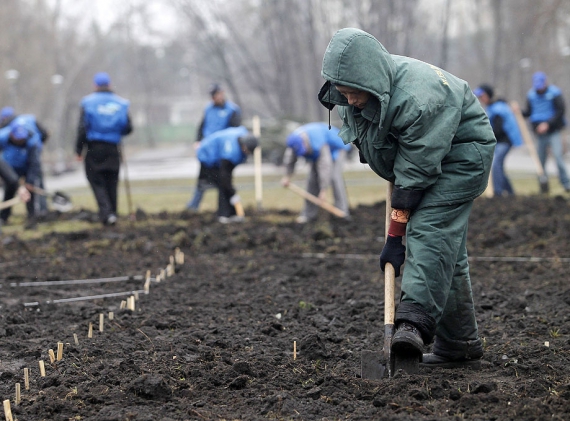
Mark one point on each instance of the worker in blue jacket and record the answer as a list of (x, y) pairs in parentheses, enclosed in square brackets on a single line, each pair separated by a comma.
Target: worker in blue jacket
[(8, 116), (546, 109), (20, 150), (223, 150), (507, 133), (325, 151), (103, 122), (219, 114)]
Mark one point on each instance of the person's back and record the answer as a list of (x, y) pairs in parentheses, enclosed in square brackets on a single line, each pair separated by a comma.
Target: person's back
[(106, 116), (103, 121), (222, 145)]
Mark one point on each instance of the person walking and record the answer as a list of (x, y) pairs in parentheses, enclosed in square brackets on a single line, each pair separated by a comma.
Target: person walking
[(20, 151), (325, 151), (219, 114), (224, 150), (422, 129), (545, 109), (507, 133), (103, 122)]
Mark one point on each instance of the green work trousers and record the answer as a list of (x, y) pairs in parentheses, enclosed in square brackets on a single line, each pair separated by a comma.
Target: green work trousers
[(436, 274)]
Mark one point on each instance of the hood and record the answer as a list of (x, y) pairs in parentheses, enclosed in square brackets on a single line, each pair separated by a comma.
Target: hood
[(355, 58)]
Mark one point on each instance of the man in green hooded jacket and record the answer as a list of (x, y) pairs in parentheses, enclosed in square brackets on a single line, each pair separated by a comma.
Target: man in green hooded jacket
[(422, 129)]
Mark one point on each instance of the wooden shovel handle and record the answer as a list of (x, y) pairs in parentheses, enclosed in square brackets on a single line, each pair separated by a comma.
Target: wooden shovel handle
[(239, 209), (527, 138), (314, 199), (10, 203), (389, 272)]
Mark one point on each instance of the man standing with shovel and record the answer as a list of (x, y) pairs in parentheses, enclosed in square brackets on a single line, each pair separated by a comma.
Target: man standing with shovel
[(103, 122), (422, 129)]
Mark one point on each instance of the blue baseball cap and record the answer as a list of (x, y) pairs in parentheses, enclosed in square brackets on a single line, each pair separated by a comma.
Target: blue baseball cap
[(478, 92), (101, 79), (19, 132), (295, 142), (539, 81), (6, 112)]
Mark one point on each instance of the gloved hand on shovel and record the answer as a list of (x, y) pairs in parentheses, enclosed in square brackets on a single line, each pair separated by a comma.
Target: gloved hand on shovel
[(394, 252)]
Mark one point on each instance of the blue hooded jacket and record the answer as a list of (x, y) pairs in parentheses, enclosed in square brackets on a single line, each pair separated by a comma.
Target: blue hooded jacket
[(220, 145), (510, 125), (218, 118), (23, 158), (319, 135), (105, 116)]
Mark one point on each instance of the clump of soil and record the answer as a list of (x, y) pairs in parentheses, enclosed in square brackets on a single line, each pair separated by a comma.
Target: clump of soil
[(215, 340)]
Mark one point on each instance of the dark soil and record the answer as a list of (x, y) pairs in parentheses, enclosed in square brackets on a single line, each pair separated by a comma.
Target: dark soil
[(215, 340)]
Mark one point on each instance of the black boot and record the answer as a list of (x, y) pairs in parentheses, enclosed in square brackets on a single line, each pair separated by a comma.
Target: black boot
[(407, 340), (454, 354)]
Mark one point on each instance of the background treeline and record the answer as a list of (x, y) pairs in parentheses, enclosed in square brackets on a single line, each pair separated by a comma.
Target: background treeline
[(267, 53)]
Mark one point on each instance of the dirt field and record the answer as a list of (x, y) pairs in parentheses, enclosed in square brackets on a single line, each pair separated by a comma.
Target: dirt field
[(215, 340)]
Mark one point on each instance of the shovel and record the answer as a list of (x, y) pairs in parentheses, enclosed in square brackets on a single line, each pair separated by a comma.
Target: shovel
[(314, 199), (542, 177), (376, 365), (61, 202)]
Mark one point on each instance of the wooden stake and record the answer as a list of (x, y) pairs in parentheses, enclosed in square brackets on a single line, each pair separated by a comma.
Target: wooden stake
[(101, 322), (256, 123), (162, 274), (59, 351), (123, 304), (90, 331), (51, 356), (147, 275), (111, 315), (169, 270), (42, 368), (8, 410), (18, 394), (136, 295), (76, 339), (294, 350), (179, 257), (27, 378), (147, 286)]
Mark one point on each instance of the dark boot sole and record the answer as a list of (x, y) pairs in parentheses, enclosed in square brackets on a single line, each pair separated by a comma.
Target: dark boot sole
[(472, 365)]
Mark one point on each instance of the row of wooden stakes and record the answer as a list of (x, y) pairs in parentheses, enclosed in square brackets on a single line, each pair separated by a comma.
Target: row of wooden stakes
[(129, 304)]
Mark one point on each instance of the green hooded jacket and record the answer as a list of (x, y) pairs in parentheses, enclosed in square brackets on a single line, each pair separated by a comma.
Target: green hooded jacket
[(422, 128)]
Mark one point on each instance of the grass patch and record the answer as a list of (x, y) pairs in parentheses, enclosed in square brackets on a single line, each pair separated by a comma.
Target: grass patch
[(154, 196)]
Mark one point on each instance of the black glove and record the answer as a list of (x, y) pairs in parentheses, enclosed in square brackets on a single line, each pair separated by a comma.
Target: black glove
[(394, 252)]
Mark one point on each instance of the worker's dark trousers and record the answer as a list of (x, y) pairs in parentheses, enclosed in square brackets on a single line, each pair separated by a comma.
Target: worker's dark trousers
[(104, 185), (436, 273)]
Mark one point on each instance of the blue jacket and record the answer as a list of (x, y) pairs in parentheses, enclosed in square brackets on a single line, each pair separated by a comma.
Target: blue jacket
[(320, 135), (221, 145), (24, 159), (105, 116), (30, 121), (218, 118), (547, 107), (510, 127)]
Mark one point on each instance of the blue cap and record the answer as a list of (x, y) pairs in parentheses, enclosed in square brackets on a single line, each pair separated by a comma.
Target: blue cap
[(295, 142), (19, 132), (478, 92), (102, 79), (539, 81), (6, 112)]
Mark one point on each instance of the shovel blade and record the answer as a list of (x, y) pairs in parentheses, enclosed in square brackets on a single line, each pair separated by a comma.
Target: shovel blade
[(61, 202), (373, 365)]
